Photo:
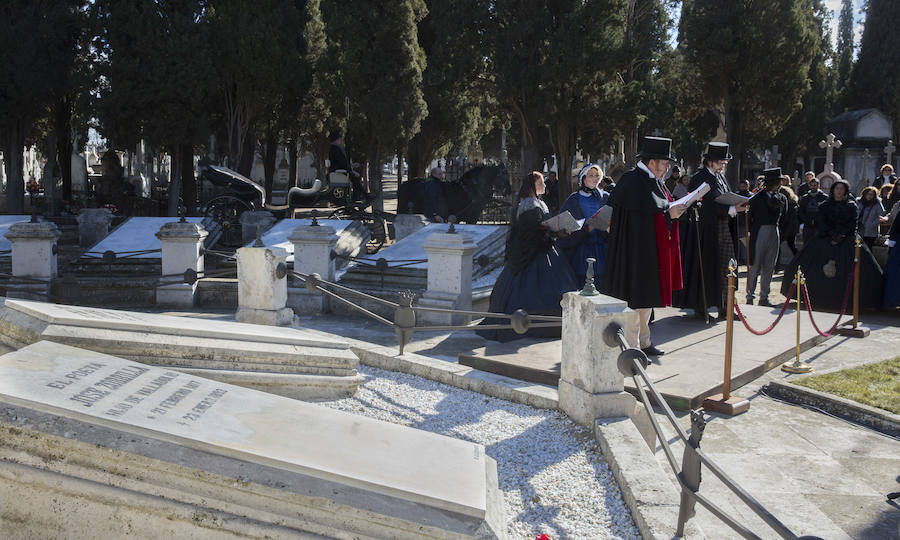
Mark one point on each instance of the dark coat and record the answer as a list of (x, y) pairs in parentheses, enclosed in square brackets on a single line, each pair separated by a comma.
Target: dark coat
[(631, 272), (879, 181), (435, 203), (809, 208), (765, 210), (338, 159), (707, 229)]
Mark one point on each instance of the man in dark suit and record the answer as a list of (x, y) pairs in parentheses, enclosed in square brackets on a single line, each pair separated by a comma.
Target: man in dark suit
[(338, 160), (643, 262), (706, 263)]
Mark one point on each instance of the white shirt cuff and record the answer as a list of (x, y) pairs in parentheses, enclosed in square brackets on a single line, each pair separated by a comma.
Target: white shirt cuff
[(731, 211), (891, 243)]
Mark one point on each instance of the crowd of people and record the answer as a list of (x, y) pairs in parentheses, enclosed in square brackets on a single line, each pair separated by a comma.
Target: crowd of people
[(655, 252)]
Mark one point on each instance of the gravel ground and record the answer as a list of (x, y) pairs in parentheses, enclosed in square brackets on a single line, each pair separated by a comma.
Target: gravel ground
[(553, 477)]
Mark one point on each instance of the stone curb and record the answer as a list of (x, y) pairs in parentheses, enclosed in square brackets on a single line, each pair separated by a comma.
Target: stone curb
[(648, 491), (489, 384), (871, 417)]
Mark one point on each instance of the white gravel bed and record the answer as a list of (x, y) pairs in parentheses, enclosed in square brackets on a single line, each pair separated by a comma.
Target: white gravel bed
[(553, 478)]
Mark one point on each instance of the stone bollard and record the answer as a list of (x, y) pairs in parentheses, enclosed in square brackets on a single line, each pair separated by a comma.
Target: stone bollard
[(33, 258), (251, 221), (406, 224), (590, 384), (181, 244), (312, 255), (262, 295), (93, 225), (449, 277)]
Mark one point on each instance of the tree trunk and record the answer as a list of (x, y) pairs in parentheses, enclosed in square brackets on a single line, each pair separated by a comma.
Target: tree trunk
[(565, 151), (292, 163), (13, 145), (271, 150), (188, 181), (248, 152), (399, 167), (416, 157), (64, 145), (174, 191), (734, 127), (374, 167)]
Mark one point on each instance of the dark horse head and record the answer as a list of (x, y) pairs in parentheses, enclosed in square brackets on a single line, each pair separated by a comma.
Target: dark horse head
[(467, 197)]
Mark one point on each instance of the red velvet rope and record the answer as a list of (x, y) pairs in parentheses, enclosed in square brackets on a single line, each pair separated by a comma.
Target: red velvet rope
[(784, 306), (843, 306)]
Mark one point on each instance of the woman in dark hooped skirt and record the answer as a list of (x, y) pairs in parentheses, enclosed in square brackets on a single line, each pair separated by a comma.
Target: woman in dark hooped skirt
[(587, 241), (826, 260), (536, 275)]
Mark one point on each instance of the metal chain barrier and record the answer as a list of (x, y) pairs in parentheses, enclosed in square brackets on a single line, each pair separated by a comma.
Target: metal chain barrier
[(632, 363), (740, 314), (111, 256), (843, 305)]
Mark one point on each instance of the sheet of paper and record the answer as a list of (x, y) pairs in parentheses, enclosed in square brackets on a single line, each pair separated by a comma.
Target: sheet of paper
[(693, 196)]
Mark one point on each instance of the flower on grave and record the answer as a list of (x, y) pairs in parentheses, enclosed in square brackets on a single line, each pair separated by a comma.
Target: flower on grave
[(542, 537), (32, 187)]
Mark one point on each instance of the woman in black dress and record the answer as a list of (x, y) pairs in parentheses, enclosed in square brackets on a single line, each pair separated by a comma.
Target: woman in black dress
[(826, 260), (536, 275)]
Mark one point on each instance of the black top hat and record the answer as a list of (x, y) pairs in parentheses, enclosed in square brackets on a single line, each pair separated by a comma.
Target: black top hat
[(716, 151), (334, 135), (656, 148), (772, 176)]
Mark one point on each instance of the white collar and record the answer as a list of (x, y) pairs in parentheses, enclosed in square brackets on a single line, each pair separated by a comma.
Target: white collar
[(644, 168)]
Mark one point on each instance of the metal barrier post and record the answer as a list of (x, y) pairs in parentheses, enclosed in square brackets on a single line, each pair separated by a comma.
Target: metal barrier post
[(855, 330), (797, 366), (725, 403)]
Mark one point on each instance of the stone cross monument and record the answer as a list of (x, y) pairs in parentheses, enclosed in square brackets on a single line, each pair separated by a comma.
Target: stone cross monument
[(866, 158), (774, 156), (829, 144), (889, 151)]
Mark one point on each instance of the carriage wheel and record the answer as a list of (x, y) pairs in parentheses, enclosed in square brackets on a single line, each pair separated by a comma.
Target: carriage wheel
[(226, 211)]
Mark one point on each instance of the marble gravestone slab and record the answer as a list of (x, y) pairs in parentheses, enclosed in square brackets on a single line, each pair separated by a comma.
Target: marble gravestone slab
[(135, 234), (352, 237), (5, 222), (490, 240), (444, 486), (283, 360)]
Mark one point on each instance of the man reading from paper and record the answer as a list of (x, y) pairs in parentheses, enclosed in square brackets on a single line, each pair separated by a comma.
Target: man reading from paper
[(643, 261)]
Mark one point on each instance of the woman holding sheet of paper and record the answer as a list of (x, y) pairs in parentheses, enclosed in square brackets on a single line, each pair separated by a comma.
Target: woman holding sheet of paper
[(590, 240), (536, 274)]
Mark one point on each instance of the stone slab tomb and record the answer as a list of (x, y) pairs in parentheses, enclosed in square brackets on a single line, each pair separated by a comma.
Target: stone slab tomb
[(5, 222), (281, 360), (352, 237), (85, 436), (401, 275)]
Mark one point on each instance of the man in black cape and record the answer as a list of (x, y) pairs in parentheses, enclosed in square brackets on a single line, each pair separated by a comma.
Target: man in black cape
[(643, 262), (705, 265)]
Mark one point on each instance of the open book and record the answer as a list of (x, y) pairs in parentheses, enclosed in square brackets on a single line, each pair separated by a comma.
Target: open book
[(732, 199), (600, 219), (693, 196), (564, 221)]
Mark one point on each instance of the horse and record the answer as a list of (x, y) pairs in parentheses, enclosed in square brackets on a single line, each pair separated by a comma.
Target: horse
[(466, 197)]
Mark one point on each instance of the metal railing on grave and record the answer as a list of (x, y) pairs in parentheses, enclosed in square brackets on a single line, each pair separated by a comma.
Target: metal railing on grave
[(632, 362), (404, 323)]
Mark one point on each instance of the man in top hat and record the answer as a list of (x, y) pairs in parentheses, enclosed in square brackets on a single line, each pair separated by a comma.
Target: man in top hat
[(339, 160), (643, 262), (767, 212), (710, 242)]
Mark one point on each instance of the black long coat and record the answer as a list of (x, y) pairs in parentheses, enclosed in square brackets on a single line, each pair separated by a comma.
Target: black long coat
[(765, 210), (691, 296), (631, 272)]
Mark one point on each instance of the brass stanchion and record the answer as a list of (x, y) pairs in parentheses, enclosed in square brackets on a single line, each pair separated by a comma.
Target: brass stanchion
[(855, 330), (797, 366), (725, 403)]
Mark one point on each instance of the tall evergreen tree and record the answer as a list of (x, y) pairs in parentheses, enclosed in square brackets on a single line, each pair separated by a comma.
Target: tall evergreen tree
[(756, 71), (804, 129), (37, 51), (453, 84), (381, 65), (875, 79), (845, 46)]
